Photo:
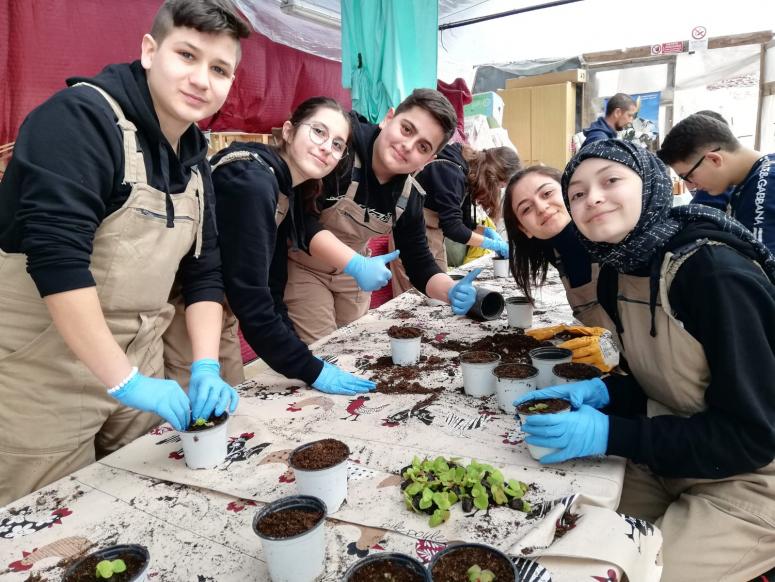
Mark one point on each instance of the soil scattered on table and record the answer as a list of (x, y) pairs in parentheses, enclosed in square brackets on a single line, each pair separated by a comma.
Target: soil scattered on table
[(287, 523), (320, 455), (512, 347), (566, 523), (392, 379)]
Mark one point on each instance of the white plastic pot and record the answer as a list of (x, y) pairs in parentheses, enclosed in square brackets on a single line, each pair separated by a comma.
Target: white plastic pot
[(520, 312), (478, 379), (545, 359), (329, 484), (205, 449), (405, 352), (500, 267), (535, 451), (509, 389), (299, 558)]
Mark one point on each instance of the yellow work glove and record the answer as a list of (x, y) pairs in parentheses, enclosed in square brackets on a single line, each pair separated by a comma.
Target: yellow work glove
[(581, 330), (545, 333), (590, 350)]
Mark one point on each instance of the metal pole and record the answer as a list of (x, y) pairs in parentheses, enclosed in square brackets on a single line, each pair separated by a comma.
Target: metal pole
[(502, 14)]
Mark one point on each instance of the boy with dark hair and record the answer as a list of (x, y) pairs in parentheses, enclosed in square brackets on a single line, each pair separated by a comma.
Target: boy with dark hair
[(720, 201), (619, 113), (704, 152), (107, 197), (375, 195)]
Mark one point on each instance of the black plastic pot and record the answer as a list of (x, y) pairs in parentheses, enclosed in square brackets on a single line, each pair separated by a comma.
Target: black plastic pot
[(409, 562), (114, 553), (457, 547), (488, 305)]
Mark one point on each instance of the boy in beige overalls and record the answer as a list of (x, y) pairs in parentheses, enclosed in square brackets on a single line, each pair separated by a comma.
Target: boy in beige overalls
[(107, 197), (378, 195)]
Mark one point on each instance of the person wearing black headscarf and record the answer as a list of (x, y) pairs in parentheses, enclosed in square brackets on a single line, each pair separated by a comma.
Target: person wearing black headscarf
[(692, 293)]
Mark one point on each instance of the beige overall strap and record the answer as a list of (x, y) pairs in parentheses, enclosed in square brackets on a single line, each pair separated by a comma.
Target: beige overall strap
[(352, 189), (403, 200), (200, 198), (670, 265), (240, 155), (134, 166)]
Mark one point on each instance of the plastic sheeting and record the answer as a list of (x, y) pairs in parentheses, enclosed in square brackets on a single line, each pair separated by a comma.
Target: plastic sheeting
[(493, 77), (43, 43)]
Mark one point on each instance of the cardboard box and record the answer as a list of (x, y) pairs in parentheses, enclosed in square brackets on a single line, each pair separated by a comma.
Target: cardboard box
[(572, 75), (488, 104)]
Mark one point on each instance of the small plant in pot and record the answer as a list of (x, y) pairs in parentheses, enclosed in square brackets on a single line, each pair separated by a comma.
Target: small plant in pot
[(205, 441), (434, 486), (512, 381), (477, 366), (321, 471), (387, 567), (472, 563), (574, 372), (122, 563), (292, 534), (542, 406), (405, 341)]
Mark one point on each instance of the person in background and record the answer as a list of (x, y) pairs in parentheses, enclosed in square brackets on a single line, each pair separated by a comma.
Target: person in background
[(540, 233), (705, 153), (720, 201), (692, 294), (261, 193), (329, 286), (454, 183), (619, 113), (107, 197)]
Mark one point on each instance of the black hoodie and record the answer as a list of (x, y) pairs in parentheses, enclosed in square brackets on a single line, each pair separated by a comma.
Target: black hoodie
[(255, 266), (379, 202), (66, 175), (445, 181)]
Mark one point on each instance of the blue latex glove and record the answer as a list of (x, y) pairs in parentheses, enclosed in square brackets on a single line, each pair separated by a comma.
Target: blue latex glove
[(578, 433), (163, 397), (333, 380), (499, 246), (490, 232), (208, 392), (371, 273), (463, 294), (592, 392)]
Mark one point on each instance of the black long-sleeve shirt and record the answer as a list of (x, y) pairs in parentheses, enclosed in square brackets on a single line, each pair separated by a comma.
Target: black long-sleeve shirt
[(728, 305), (573, 261), (255, 257), (446, 183), (66, 176), (378, 202)]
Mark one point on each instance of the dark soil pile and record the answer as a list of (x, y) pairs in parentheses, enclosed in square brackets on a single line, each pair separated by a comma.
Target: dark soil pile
[(453, 567), (404, 332), (288, 522), (573, 371), (320, 455), (512, 347), (392, 379), (514, 371)]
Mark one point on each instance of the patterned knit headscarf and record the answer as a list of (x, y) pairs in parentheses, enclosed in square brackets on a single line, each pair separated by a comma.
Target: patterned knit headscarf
[(659, 221)]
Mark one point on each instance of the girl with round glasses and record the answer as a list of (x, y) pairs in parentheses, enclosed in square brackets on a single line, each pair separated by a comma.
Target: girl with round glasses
[(262, 195)]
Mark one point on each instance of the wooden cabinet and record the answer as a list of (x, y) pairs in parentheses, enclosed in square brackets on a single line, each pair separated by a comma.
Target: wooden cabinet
[(540, 121)]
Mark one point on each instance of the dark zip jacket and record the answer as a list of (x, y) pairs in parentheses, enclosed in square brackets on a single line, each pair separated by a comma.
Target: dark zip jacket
[(599, 130), (255, 255), (66, 175)]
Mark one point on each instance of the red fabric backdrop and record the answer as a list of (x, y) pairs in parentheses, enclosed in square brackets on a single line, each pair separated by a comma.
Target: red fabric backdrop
[(42, 42)]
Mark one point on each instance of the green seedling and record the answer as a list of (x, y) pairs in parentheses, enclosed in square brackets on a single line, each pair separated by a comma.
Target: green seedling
[(476, 574), (200, 422), (433, 486), (106, 568), (537, 407)]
